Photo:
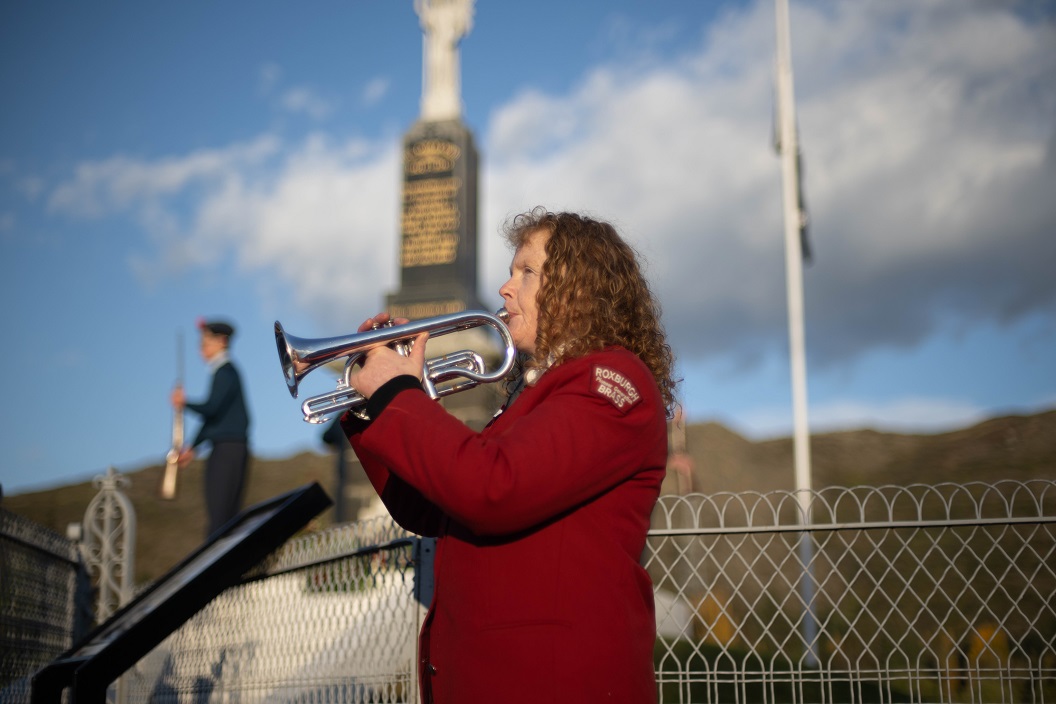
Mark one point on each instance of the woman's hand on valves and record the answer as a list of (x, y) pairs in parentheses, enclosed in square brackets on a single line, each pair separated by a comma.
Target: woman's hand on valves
[(382, 363)]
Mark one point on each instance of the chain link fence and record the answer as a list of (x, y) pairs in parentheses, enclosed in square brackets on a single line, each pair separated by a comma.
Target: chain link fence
[(45, 601), (942, 593), (332, 616)]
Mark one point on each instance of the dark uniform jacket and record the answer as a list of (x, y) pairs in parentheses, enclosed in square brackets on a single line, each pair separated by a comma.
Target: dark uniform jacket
[(224, 415), (542, 519)]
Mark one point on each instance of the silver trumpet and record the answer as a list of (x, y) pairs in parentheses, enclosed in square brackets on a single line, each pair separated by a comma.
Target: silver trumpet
[(299, 356)]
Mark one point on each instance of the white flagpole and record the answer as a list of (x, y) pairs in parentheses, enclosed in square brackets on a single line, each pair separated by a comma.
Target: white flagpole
[(794, 280)]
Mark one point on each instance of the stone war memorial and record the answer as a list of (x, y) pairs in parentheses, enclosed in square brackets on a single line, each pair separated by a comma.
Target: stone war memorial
[(439, 206), (438, 218)]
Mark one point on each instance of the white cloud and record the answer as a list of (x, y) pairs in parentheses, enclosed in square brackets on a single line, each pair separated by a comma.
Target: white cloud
[(325, 224), (307, 101), (302, 100), (269, 77), (928, 143), (927, 134), (375, 90), (31, 187), (320, 216), (121, 183)]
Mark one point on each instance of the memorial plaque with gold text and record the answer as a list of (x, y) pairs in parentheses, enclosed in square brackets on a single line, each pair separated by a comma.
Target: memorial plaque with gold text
[(431, 216)]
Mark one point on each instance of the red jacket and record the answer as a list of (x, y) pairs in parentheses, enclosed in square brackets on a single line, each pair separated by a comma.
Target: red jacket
[(541, 519)]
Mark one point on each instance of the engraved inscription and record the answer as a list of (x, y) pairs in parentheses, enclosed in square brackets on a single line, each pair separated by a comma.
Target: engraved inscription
[(431, 156), (431, 309), (430, 221)]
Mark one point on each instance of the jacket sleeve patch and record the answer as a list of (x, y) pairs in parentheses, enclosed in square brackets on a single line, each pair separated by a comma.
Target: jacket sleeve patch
[(615, 387)]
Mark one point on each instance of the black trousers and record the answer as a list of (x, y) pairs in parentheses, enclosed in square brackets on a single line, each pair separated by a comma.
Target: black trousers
[(225, 482)]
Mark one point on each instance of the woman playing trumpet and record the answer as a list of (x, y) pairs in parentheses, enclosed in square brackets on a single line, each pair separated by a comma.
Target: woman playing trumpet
[(541, 518)]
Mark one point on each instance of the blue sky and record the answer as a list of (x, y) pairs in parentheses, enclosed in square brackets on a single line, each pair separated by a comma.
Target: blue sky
[(165, 161)]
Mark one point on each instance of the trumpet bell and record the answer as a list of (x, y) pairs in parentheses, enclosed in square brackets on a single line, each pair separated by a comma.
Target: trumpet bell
[(298, 356), (286, 352)]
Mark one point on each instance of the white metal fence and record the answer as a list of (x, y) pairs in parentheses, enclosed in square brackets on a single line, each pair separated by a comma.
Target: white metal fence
[(940, 593), (330, 617)]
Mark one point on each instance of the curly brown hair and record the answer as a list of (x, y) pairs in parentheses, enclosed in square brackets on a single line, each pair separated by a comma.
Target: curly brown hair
[(593, 295)]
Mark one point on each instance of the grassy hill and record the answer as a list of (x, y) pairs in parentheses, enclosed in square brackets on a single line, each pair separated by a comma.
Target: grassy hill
[(1012, 447)]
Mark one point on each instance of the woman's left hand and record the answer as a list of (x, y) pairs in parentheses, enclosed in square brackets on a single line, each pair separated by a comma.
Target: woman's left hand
[(382, 363)]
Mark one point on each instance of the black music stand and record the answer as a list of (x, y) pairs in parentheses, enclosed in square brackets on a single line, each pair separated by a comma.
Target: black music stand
[(103, 655)]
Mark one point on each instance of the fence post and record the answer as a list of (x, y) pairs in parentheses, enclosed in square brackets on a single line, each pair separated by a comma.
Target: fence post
[(109, 545), (424, 553)]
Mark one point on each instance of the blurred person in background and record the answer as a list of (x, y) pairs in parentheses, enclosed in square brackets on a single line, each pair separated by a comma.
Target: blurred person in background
[(225, 425)]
